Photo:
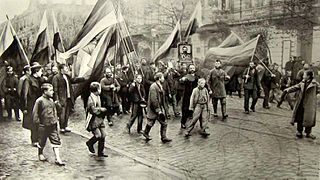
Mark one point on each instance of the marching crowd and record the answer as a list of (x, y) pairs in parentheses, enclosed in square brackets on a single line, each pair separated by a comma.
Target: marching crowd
[(46, 98)]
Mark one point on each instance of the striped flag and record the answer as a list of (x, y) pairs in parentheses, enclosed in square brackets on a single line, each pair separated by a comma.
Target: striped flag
[(101, 17), (41, 51), (195, 21), (171, 42), (11, 51)]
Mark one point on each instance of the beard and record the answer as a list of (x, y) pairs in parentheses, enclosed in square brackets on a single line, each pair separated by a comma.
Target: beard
[(191, 71)]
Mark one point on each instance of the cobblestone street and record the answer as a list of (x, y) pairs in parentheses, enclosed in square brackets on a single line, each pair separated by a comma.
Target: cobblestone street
[(19, 160), (261, 145)]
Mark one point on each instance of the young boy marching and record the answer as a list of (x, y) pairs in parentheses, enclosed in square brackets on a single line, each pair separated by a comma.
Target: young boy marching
[(46, 117), (199, 104), (95, 120), (137, 93)]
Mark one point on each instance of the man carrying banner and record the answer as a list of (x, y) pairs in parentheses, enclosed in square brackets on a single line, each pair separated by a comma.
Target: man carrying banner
[(217, 89), (251, 87)]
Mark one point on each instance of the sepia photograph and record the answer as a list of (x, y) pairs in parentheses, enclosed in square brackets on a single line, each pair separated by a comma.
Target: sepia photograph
[(159, 89)]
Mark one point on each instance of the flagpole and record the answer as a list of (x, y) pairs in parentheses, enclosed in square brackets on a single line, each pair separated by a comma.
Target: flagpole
[(254, 51), (125, 41), (18, 40)]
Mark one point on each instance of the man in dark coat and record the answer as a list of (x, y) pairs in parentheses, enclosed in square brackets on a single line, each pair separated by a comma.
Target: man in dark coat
[(148, 75), (216, 86), (109, 98), (304, 113), (266, 82), (275, 83), (137, 94), (286, 82), (180, 87), (32, 91), (124, 82), (190, 82), (171, 90), (251, 87), (63, 95), (10, 86), (156, 110)]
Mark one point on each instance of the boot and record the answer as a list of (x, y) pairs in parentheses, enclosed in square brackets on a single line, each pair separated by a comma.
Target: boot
[(146, 131), (204, 133), (163, 131), (101, 148), (224, 113), (90, 144)]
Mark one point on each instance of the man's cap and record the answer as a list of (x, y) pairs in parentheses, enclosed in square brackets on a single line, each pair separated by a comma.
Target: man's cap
[(35, 65)]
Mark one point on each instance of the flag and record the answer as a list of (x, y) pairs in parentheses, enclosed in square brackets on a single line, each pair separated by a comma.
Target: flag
[(232, 40), (101, 17), (171, 42), (195, 21), (57, 41), (237, 56), (41, 51), (11, 51), (126, 41), (91, 59)]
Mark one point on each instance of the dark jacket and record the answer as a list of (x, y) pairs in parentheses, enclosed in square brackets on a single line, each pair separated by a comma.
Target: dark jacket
[(123, 79), (32, 91), (45, 111), (107, 93), (253, 81), (216, 83), (137, 97), (189, 85), (155, 101), (60, 88), (10, 86)]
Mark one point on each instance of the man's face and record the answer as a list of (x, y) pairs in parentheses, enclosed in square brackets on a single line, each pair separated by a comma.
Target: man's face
[(192, 69), (118, 67), (289, 73), (10, 72), (39, 72), (161, 79), (28, 72), (217, 64), (55, 70), (65, 70), (276, 67), (139, 79), (184, 66), (251, 64), (49, 92), (108, 73)]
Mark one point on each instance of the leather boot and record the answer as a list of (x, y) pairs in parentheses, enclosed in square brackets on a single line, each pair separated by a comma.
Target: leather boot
[(90, 144), (101, 148), (146, 131), (163, 132)]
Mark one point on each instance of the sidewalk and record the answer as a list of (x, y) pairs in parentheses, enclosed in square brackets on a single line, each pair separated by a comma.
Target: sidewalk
[(19, 160)]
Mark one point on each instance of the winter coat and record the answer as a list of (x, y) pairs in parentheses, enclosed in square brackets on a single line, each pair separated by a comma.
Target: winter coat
[(107, 93), (32, 91), (216, 83), (309, 102), (156, 101)]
